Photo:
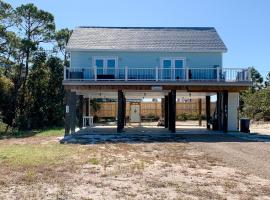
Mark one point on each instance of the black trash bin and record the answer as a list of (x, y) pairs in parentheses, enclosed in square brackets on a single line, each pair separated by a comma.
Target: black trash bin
[(244, 125)]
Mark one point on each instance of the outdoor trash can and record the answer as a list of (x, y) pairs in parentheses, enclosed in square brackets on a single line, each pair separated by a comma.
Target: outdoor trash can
[(244, 125)]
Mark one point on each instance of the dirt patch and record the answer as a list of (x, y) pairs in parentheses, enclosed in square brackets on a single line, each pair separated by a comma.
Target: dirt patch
[(159, 170)]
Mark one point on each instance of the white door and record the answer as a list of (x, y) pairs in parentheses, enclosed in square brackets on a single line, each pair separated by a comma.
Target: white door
[(135, 113)]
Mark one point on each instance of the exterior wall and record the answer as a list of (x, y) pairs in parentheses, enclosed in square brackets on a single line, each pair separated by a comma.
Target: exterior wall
[(233, 105), (82, 59)]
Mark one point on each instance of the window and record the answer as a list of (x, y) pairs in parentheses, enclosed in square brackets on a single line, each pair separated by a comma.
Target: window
[(173, 68), (105, 65)]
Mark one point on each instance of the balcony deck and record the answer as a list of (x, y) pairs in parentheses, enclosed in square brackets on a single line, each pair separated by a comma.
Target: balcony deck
[(156, 76)]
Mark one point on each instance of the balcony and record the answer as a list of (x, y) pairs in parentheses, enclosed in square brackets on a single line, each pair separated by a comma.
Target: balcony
[(157, 74)]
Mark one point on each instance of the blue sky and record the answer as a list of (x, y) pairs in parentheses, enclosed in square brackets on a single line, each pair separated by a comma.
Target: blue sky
[(244, 25)]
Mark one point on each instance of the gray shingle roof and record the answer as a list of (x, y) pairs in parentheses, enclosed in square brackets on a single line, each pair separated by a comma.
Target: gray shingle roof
[(180, 39)]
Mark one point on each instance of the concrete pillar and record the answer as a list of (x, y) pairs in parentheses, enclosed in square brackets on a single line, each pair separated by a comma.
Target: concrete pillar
[(81, 102), (225, 111), (173, 111), (166, 113), (200, 111), (233, 108), (72, 110), (207, 111), (67, 112)]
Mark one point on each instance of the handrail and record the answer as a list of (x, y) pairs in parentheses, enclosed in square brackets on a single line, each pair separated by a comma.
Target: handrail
[(218, 74)]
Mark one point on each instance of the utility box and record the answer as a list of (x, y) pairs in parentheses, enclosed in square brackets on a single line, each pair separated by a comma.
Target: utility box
[(244, 125)]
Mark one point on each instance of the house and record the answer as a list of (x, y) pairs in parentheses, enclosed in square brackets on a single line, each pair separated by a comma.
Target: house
[(157, 62)]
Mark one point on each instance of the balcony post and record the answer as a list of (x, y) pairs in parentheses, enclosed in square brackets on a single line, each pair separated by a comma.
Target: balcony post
[(95, 73), (187, 74), (65, 73), (218, 72), (156, 73), (126, 73)]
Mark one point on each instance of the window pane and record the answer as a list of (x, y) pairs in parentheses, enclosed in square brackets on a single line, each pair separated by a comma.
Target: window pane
[(178, 63), (111, 63), (99, 63), (167, 63)]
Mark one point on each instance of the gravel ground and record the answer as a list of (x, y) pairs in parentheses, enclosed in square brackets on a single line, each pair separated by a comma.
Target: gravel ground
[(248, 156)]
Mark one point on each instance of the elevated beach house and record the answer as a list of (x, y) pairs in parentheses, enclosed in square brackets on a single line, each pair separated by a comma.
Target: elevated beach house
[(154, 62)]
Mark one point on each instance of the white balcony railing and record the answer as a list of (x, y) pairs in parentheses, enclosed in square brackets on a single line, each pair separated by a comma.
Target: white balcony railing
[(157, 74)]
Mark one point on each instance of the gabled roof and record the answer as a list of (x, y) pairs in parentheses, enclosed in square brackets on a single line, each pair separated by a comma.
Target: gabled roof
[(168, 39)]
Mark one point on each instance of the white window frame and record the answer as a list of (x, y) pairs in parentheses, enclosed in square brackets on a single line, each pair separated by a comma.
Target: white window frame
[(105, 59)]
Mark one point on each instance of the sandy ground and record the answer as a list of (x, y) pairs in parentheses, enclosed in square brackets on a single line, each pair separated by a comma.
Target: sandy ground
[(260, 127), (206, 166)]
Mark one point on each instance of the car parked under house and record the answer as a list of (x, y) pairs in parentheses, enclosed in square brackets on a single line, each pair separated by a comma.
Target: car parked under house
[(157, 62)]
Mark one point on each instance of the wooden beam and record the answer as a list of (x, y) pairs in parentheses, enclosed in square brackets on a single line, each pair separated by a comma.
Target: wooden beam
[(219, 110), (67, 112), (72, 110), (169, 110), (173, 111), (87, 102), (200, 111), (166, 113), (225, 111), (120, 112), (81, 111), (190, 88), (207, 111)]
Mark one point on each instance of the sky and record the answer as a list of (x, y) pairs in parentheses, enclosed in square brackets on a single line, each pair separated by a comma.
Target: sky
[(244, 25)]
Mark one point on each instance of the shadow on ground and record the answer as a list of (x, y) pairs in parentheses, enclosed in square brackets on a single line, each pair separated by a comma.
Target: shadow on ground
[(151, 135)]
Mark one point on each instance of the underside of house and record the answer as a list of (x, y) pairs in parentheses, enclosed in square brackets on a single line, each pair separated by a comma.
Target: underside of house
[(132, 64)]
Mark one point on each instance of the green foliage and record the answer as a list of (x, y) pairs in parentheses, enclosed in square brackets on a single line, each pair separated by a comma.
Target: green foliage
[(267, 80), (256, 104), (187, 116), (257, 79), (62, 36), (6, 87)]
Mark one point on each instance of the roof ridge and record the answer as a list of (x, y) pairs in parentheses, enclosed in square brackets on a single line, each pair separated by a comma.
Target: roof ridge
[(148, 27)]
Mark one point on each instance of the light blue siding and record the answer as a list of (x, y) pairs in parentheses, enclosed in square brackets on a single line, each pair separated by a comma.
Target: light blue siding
[(83, 59), (147, 59)]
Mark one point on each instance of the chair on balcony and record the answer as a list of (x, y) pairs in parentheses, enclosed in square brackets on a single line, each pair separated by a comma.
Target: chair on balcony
[(76, 75)]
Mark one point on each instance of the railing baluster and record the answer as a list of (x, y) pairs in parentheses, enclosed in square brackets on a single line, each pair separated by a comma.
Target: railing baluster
[(95, 73)]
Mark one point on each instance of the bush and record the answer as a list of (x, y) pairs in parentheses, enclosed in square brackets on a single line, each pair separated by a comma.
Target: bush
[(187, 116)]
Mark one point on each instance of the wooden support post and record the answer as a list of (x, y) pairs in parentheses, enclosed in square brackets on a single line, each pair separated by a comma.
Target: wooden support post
[(120, 112), (81, 111), (166, 113), (72, 110), (173, 111), (225, 111), (169, 110), (207, 111), (67, 112), (124, 113), (200, 111), (219, 111), (86, 100)]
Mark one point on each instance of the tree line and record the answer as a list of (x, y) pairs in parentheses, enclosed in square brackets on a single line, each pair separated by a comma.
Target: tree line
[(255, 102), (30, 76)]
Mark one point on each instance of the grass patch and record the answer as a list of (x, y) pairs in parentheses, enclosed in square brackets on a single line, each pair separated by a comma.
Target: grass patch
[(54, 131), (58, 131), (94, 161), (32, 155)]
